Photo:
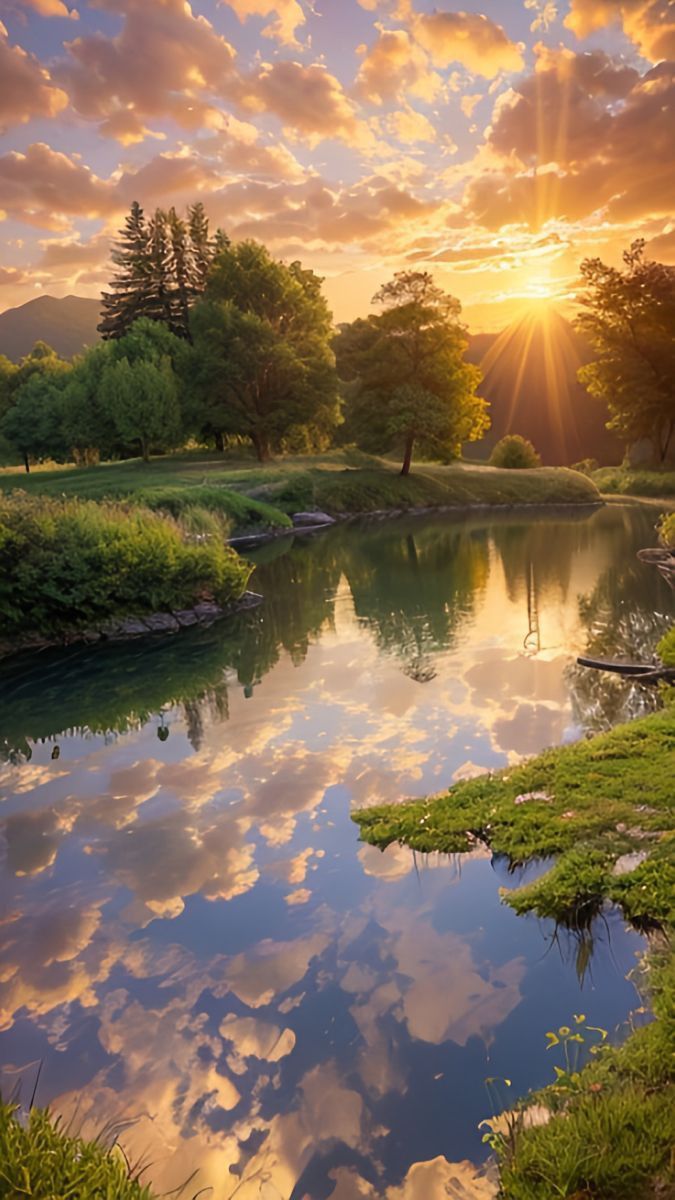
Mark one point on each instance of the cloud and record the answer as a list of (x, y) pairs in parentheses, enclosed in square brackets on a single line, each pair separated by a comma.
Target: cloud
[(165, 63), (309, 101), (471, 39), (51, 8), (289, 15), (410, 126), (47, 188), (27, 89), (650, 24), (601, 137), (10, 276), (394, 66)]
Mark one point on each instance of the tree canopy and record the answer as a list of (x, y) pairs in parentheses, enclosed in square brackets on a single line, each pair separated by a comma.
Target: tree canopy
[(407, 383), (263, 363), (629, 318)]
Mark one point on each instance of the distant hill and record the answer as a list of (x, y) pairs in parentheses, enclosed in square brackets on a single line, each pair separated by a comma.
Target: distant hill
[(68, 325), (530, 380)]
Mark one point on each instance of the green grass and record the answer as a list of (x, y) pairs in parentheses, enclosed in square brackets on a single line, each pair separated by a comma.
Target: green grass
[(40, 1159), (625, 481), (340, 483)]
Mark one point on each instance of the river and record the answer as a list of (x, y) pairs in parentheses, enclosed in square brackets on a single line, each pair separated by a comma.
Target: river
[(196, 949)]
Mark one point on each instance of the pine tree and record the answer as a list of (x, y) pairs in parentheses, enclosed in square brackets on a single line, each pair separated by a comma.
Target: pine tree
[(130, 288), (161, 284), (180, 267), (201, 247)]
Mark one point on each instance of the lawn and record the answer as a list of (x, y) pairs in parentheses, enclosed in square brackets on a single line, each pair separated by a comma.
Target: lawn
[(340, 482), (625, 481)]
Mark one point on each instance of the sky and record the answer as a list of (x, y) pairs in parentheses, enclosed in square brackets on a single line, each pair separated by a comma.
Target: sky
[(496, 144)]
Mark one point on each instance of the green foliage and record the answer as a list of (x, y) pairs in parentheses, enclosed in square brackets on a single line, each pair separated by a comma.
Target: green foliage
[(406, 381), (629, 319), (586, 465), (611, 1126), (262, 363), (40, 1158), (514, 452), (31, 401), (69, 564), (242, 513), (624, 481), (142, 401), (666, 648)]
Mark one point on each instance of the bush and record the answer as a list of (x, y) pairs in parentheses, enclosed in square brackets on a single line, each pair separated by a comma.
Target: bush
[(586, 466), (666, 648), (69, 564), (239, 511), (39, 1159), (624, 481), (515, 453)]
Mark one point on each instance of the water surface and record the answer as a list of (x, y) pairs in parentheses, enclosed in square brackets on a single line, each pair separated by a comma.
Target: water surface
[(195, 940)]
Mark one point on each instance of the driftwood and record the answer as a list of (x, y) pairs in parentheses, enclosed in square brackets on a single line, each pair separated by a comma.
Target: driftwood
[(664, 560)]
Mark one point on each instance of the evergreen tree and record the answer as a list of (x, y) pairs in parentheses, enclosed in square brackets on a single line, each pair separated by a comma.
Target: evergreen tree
[(201, 247), (181, 256), (128, 297), (160, 275)]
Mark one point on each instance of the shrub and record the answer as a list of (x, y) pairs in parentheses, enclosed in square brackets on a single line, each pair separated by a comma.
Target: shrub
[(39, 1159), (586, 466), (240, 512), (67, 564), (666, 648), (515, 453)]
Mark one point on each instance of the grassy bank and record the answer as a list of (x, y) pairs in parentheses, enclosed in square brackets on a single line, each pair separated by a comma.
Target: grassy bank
[(624, 481), (603, 811), (39, 1159), (338, 483), (69, 564)]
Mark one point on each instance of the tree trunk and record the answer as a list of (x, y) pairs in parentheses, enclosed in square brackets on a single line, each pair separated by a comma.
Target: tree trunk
[(26, 464), (145, 453), (262, 446), (219, 439), (407, 457)]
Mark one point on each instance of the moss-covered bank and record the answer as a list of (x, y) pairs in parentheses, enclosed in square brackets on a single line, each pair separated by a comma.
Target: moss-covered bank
[(604, 811)]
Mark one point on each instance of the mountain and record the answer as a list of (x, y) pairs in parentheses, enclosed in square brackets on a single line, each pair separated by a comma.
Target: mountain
[(530, 380), (68, 325)]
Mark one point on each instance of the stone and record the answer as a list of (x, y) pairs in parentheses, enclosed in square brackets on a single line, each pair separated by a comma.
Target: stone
[(186, 617), (312, 518), (207, 610), (527, 796), (162, 622), (131, 627), (629, 862)]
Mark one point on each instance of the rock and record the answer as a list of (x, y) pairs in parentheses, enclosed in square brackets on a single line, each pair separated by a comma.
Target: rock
[(186, 617), (629, 862), (207, 611), (162, 622), (527, 796), (312, 518), (131, 627)]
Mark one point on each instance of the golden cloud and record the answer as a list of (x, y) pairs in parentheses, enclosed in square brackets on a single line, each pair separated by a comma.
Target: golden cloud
[(47, 188), (650, 24), (27, 88), (471, 39), (288, 16), (394, 66)]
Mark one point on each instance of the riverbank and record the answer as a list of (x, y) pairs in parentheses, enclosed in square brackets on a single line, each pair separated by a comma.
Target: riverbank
[(342, 483), (603, 811), (642, 484)]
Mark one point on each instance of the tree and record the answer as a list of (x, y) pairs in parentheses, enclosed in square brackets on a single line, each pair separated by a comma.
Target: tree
[(128, 298), (629, 319), (32, 401), (262, 359), (407, 383), (33, 423), (141, 398), (202, 247)]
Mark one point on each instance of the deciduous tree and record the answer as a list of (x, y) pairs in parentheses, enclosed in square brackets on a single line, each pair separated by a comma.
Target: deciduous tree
[(263, 363), (407, 382), (629, 318)]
